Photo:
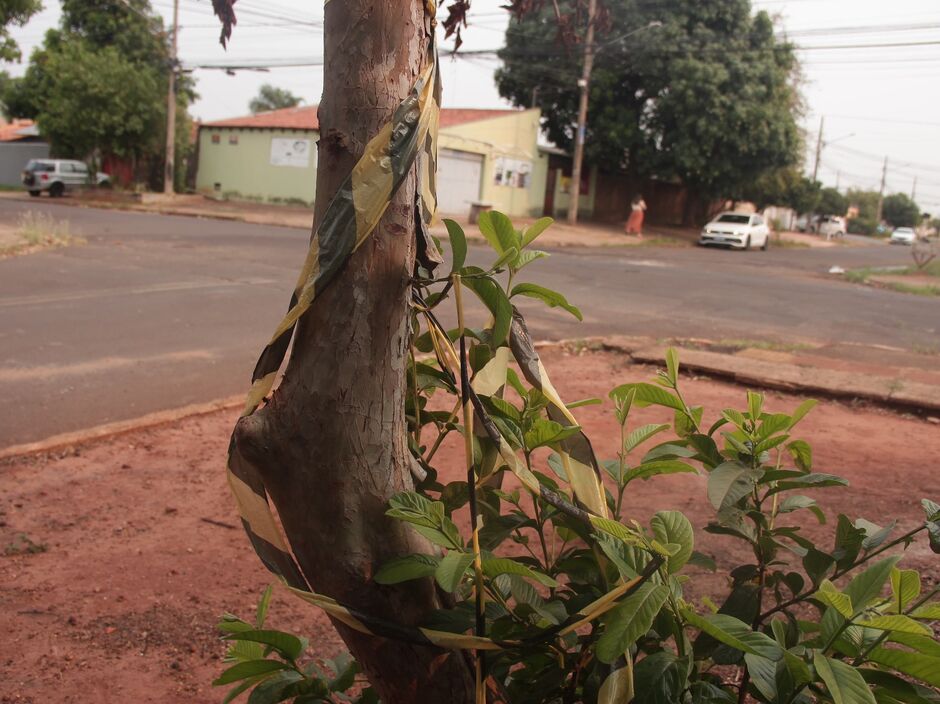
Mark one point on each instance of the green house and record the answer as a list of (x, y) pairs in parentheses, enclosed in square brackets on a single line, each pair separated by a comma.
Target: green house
[(486, 156)]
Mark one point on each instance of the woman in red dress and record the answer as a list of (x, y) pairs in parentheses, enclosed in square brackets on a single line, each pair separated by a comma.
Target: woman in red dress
[(635, 223)]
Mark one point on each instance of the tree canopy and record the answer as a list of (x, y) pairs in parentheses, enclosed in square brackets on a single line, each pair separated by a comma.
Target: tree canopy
[(99, 82), (273, 98), (831, 202), (708, 97), (900, 211), (14, 12)]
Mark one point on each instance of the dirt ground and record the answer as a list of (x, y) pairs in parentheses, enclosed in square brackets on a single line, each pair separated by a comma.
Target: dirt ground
[(124, 552)]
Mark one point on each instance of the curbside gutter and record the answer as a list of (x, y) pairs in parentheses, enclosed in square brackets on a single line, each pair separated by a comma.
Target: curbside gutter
[(108, 430), (890, 392)]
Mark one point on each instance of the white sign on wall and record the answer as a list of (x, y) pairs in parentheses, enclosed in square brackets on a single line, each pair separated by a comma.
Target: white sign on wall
[(290, 152), (514, 173)]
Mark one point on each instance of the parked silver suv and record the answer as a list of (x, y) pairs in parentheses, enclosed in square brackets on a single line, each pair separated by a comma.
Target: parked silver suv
[(59, 175)]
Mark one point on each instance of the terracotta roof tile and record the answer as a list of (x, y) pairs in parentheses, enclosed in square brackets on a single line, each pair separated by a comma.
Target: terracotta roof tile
[(9, 131), (305, 118)]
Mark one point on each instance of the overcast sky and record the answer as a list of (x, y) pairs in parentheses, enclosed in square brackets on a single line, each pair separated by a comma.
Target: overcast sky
[(877, 101)]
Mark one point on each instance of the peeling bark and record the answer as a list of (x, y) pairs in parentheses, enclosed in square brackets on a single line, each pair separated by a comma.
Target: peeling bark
[(331, 444)]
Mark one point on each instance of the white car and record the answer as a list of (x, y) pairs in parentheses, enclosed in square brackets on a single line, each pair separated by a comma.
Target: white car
[(903, 235), (830, 226), (58, 176), (737, 230)]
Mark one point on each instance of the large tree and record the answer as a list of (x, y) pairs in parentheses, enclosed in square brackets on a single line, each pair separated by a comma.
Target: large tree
[(900, 211), (708, 97), (123, 39), (273, 98), (14, 12), (331, 443)]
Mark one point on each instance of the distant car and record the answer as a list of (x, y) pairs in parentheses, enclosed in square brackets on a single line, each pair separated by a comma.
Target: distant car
[(737, 230), (830, 226), (903, 235), (58, 176)]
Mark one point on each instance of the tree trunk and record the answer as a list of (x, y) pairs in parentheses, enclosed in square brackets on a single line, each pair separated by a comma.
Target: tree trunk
[(331, 444)]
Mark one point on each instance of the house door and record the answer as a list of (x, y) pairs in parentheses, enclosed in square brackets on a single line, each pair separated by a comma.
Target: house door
[(550, 181), (459, 175)]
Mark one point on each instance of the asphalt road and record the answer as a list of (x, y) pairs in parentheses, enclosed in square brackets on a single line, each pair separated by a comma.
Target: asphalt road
[(156, 312)]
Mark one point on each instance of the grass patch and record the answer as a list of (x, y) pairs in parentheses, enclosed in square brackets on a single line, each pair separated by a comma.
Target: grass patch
[(736, 345), (865, 276), (660, 241), (37, 230), (22, 544)]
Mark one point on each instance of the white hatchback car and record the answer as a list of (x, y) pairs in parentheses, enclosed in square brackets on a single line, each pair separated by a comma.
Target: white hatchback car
[(737, 230), (903, 235)]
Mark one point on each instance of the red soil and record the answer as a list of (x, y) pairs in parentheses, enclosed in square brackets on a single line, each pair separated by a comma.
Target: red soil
[(122, 604)]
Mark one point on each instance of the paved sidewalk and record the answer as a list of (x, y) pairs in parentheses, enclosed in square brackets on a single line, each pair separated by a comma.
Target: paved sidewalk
[(884, 376)]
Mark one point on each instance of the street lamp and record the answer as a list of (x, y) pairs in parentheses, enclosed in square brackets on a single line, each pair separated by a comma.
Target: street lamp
[(583, 84)]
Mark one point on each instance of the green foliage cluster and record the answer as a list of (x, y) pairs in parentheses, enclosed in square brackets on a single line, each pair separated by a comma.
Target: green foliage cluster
[(97, 87), (900, 211), (708, 97), (269, 663), (273, 98), (14, 12), (800, 620)]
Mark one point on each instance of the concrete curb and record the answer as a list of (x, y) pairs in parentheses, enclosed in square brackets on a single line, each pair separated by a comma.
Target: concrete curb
[(885, 391), (108, 430)]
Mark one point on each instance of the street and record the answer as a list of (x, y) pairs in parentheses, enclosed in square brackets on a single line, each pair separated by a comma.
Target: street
[(156, 312)]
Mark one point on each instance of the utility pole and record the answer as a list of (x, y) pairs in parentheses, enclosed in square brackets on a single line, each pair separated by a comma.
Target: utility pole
[(574, 195), (914, 190), (838, 179), (169, 166), (819, 146), (881, 194)]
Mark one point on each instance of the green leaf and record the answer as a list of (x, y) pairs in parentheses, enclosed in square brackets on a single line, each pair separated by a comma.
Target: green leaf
[(262, 612), (809, 481), (273, 689), (346, 669), (498, 231), (905, 585), (844, 682), (866, 587), (923, 667), (659, 678), (630, 620), (251, 668), (657, 467), (763, 674), (674, 527), (648, 395), (771, 424), (552, 299), (922, 644), (830, 595), (930, 612), (494, 298), (802, 410), (932, 509), (458, 245), (728, 483), (735, 633), (707, 693), (797, 502), (897, 623), (451, 569), (802, 454), (617, 530), (899, 689), (617, 687), (755, 403), (644, 433), (495, 566), (406, 568), (672, 365), (535, 229), (291, 647), (703, 561), (507, 256), (526, 257), (543, 433)]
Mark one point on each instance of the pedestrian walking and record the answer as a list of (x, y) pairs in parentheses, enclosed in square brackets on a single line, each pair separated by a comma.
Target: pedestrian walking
[(637, 210)]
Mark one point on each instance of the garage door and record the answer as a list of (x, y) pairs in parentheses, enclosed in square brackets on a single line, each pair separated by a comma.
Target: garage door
[(458, 181)]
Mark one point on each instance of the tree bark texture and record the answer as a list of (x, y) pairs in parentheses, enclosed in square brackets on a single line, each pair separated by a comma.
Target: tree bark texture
[(331, 444)]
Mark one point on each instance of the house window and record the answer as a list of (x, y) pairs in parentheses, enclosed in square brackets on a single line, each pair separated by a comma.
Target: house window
[(216, 138), (233, 139)]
